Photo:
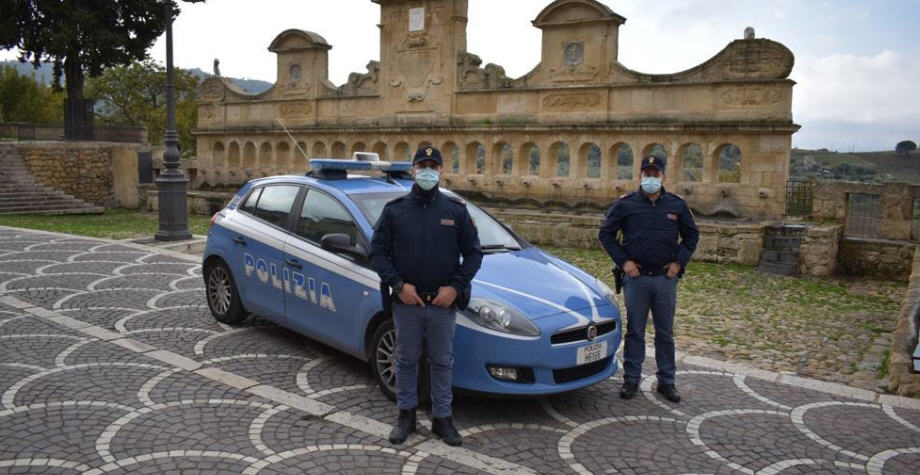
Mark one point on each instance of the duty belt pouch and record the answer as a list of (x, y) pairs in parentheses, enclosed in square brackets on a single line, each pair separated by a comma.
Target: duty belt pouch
[(463, 298)]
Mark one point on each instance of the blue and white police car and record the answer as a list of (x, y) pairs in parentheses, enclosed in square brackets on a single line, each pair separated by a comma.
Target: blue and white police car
[(294, 250)]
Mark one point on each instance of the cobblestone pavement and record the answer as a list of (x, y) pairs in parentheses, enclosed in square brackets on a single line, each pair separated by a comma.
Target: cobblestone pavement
[(110, 362)]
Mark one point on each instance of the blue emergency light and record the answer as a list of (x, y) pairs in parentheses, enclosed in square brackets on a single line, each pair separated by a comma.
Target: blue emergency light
[(336, 169)]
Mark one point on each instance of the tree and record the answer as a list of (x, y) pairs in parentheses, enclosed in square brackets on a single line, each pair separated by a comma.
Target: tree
[(23, 99), (136, 95), (905, 147), (81, 36)]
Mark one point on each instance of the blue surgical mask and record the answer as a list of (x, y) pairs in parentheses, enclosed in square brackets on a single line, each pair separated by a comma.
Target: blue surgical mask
[(651, 184), (427, 178)]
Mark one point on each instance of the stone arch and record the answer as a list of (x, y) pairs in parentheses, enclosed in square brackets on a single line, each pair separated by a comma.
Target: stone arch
[(233, 155), (357, 147), (301, 153), (219, 155), (622, 160), (589, 161), (265, 155), (381, 150), (475, 159), (690, 163), (502, 159), (283, 156), (655, 149), (528, 160), (401, 152), (564, 11), (338, 150), (728, 163), (249, 155), (451, 156), (560, 159), (319, 150)]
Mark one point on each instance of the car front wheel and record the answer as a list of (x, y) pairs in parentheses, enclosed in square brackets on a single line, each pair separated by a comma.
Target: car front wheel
[(223, 297)]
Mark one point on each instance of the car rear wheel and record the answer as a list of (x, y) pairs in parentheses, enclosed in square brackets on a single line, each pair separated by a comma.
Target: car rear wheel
[(383, 364), (223, 297)]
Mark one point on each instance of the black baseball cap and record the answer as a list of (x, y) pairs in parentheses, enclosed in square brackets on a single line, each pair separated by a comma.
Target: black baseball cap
[(428, 153), (653, 161)]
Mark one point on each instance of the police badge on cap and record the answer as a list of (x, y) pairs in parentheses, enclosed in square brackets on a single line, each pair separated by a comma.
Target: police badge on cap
[(428, 153), (653, 161)]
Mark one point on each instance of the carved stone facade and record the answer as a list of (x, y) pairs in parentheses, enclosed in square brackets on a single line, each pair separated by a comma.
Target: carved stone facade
[(572, 130)]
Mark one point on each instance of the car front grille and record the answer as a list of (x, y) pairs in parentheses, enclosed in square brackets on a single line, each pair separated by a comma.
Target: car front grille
[(579, 334), (580, 372)]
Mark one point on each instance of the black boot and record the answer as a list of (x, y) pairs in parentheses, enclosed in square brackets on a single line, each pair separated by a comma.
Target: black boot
[(669, 392), (629, 389), (405, 425), (443, 427)]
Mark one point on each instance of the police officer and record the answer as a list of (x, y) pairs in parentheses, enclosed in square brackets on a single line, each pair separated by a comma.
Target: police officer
[(653, 259), (416, 248)]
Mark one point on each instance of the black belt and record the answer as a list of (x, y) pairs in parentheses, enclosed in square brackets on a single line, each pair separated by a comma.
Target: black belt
[(427, 297), (653, 272)]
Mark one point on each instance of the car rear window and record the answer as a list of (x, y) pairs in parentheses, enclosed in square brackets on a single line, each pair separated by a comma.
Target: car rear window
[(275, 203)]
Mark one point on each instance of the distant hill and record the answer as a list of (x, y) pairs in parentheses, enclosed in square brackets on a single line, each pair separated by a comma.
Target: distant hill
[(45, 74), (862, 166)]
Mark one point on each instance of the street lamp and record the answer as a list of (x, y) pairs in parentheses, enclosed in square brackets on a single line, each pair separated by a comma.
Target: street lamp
[(172, 186)]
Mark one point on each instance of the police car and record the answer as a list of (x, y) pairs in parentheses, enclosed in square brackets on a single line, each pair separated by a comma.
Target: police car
[(294, 250)]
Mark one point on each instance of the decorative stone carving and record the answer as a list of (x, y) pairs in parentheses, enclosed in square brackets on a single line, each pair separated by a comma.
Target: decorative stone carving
[(757, 59), (473, 77), (296, 83), (295, 110), (205, 113), (419, 71), (362, 83), (755, 96), (749, 33), (212, 90), (415, 41), (571, 101), (573, 54)]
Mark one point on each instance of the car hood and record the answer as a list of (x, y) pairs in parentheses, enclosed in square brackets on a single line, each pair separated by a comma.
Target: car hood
[(539, 285)]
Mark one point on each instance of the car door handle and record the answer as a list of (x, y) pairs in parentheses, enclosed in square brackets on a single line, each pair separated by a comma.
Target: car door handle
[(239, 240), (293, 263)]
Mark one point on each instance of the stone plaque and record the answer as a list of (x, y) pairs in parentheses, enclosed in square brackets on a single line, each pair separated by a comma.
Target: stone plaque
[(416, 19), (571, 101), (573, 53), (295, 72), (758, 96)]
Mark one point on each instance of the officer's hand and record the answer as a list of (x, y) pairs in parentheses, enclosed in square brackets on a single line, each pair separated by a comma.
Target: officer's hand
[(631, 269), (409, 296), (446, 297), (673, 270)]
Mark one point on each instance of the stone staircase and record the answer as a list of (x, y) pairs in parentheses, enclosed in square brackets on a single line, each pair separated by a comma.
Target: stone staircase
[(781, 246), (20, 193)]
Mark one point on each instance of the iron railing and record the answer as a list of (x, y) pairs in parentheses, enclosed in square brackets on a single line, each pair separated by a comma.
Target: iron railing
[(864, 214)]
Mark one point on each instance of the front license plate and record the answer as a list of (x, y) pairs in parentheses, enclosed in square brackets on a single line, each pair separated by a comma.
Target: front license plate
[(591, 353)]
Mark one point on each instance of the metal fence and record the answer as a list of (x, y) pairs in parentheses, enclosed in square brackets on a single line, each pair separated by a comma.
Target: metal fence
[(800, 195), (28, 132), (863, 216), (915, 221)]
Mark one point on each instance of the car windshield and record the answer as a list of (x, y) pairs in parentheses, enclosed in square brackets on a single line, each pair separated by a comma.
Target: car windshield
[(492, 235)]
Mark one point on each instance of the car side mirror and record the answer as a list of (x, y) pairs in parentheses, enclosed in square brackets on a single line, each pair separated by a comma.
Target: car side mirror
[(341, 243)]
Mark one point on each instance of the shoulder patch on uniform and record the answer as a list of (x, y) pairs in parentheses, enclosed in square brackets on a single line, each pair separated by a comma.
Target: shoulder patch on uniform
[(679, 196), (626, 195), (456, 199)]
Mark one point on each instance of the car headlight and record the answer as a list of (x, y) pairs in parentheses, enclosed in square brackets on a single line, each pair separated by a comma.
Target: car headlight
[(607, 291), (495, 315)]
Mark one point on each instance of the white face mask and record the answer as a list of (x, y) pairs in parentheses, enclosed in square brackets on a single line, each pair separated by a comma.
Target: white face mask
[(427, 178), (651, 184)]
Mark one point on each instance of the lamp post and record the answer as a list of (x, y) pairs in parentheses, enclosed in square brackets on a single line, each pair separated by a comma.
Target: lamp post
[(172, 186)]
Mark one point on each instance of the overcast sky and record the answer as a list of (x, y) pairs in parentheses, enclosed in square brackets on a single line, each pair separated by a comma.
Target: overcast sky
[(857, 61)]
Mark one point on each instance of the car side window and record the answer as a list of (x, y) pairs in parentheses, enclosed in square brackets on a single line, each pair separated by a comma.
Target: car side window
[(322, 215), (275, 204), (250, 205)]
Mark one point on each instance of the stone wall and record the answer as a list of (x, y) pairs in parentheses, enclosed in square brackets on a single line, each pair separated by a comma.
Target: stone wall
[(84, 170), (818, 255), (903, 381), (896, 203), (880, 258)]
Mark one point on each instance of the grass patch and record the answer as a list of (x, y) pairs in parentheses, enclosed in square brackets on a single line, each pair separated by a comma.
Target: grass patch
[(112, 224)]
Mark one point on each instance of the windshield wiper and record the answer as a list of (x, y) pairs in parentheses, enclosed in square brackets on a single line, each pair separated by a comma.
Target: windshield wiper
[(499, 247)]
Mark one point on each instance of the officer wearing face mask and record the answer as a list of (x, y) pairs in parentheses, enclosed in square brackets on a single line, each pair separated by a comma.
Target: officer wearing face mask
[(417, 247), (658, 236)]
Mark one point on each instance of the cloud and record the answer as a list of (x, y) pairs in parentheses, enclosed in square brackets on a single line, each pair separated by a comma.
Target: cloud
[(861, 89)]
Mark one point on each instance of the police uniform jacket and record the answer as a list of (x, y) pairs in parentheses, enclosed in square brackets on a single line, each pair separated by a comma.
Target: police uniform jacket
[(420, 238), (650, 231)]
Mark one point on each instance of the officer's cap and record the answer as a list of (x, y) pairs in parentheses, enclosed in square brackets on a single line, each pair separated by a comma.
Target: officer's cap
[(428, 153), (653, 161)]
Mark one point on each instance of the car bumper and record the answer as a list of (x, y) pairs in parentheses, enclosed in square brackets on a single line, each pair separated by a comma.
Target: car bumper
[(475, 351)]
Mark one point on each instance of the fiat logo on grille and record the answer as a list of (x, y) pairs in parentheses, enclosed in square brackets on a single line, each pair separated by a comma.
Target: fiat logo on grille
[(592, 332)]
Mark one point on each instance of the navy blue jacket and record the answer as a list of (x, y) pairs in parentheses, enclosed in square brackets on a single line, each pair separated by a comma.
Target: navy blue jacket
[(650, 231), (420, 238)]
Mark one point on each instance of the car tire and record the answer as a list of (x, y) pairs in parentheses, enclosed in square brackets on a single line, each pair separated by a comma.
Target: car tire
[(383, 364), (222, 294)]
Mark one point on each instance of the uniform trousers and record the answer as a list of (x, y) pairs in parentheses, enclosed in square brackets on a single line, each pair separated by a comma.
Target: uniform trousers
[(658, 294), (434, 325)]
